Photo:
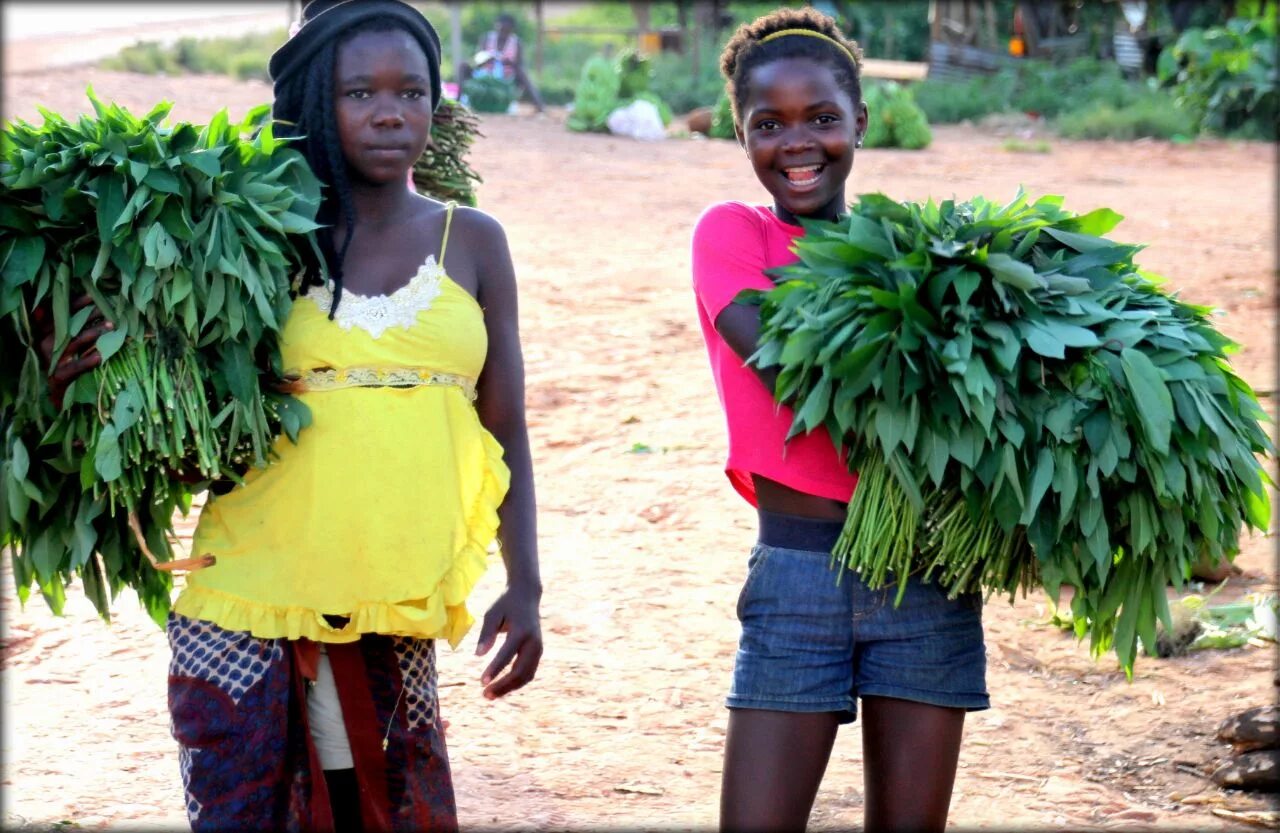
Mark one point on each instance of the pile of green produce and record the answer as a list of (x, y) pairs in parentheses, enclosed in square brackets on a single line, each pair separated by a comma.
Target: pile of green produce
[(442, 171), (1022, 403), (722, 119), (488, 94), (605, 86), (894, 119), (186, 238)]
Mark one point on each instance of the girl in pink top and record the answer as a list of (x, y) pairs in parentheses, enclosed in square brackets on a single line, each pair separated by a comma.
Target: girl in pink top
[(812, 648)]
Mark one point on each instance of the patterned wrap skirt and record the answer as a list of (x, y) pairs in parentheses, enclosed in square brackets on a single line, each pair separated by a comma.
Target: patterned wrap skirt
[(239, 713)]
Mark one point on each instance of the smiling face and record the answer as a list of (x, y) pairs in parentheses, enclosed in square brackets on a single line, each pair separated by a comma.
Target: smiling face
[(799, 127), (382, 89)]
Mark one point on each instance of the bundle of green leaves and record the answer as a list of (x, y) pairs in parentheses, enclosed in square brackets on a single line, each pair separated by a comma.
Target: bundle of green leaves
[(608, 85), (186, 238), (442, 171), (596, 96), (488, 94), (894, 119), (1022, 403)]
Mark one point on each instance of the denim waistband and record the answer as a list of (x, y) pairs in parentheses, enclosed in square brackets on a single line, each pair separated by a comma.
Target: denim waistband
[(797, 533)]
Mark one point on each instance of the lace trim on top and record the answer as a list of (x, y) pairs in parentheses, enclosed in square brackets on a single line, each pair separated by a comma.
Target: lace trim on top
[(383, 377), (375, 314)]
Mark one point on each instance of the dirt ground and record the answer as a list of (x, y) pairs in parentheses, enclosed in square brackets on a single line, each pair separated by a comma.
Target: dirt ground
[(643, 542)]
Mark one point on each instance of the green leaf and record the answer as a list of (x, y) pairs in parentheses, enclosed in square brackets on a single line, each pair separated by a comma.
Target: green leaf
[(23, 260), (128, 408), (1043, 342), (1015, 273), (1154, 402), (110, 342), (1096, 223), (107, 459)]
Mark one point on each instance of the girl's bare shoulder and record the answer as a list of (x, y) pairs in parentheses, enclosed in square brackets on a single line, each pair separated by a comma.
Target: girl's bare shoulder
[(477, 227)]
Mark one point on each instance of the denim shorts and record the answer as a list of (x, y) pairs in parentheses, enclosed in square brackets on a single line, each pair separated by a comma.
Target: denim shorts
[(810, 644)]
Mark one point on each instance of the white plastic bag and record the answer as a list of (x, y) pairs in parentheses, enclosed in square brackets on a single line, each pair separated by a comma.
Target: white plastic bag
[(639, 120)]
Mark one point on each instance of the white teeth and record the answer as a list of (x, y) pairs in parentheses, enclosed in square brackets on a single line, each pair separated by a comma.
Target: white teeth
[(802, 169)]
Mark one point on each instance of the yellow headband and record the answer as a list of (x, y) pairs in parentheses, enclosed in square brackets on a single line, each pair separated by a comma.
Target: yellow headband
[(809, 33)]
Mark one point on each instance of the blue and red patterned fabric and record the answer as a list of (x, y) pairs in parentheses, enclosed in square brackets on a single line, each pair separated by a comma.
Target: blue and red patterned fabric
[(238, 711)]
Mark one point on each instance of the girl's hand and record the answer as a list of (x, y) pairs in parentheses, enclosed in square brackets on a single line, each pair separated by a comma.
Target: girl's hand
[(515, 613), (80, 356)]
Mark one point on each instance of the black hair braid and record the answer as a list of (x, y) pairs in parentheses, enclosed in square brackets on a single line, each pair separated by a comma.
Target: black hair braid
[(306, 102), (337, 171)]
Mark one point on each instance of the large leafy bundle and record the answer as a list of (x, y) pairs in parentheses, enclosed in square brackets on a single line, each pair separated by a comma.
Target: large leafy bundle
[(442, 171), (186, 238), (1022, 403), (488, 93), (596, 95)]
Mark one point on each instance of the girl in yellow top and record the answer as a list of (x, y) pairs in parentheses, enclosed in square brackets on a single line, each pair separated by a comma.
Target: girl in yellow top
[(307, 648)]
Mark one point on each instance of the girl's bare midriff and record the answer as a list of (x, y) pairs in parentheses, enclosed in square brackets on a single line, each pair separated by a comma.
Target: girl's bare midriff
[(772, 496)]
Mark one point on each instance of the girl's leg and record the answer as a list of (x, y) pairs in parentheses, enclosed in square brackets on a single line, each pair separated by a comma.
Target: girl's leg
[(773, 764), (344, 799), (909, 753)]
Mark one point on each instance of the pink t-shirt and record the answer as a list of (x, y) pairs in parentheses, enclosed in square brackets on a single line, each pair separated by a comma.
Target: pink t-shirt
[(733, 244)]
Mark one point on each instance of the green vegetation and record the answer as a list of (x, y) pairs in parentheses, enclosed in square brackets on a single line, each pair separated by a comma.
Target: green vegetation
[(242, 57), (1082, 99), (1226, 77), (1152, 115), (722, 119)]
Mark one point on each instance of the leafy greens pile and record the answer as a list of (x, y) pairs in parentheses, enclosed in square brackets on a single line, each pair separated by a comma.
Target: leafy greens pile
[(442, 171), (186, 238), (1022, 404)]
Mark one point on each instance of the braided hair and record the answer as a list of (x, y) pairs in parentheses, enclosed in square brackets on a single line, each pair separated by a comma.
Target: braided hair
[(748, 49), (303, 73)]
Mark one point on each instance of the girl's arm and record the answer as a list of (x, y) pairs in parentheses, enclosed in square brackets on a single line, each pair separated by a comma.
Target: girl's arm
[(500, 404), (739, 326)]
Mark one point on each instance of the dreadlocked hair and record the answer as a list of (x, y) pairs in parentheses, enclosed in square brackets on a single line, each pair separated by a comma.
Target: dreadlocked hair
[(744, 52), (304, 107)]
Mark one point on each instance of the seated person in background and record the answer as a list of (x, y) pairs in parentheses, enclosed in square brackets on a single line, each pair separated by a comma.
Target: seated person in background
[(500, 55)]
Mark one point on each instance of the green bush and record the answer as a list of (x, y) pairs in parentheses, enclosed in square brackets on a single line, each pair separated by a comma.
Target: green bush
[(1154, 114), (949, 102), (147, 58), (676, 81), (1226, 76), (242, 57)]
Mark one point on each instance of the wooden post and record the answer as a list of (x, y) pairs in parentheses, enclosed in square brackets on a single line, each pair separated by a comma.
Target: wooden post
[(455, 38), (539, 14)]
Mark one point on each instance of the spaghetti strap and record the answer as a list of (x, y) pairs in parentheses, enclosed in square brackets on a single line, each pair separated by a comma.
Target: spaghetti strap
[(448, 218)]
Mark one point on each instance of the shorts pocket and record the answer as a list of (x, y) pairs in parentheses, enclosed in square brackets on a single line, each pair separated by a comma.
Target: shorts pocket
[(755, 567)]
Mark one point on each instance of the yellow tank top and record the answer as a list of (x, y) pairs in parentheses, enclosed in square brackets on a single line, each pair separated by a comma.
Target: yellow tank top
[(385, 509)]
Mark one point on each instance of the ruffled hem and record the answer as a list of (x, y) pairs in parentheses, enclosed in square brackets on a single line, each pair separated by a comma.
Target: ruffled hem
[(442, 615)]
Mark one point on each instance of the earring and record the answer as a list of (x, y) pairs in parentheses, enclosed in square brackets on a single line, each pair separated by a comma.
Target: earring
[(859, 144)]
